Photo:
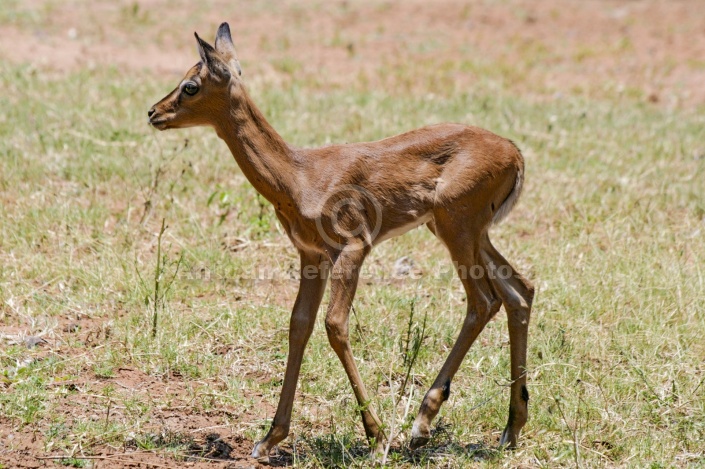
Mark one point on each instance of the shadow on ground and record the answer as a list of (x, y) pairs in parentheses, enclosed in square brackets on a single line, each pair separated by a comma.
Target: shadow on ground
[(334, 450)]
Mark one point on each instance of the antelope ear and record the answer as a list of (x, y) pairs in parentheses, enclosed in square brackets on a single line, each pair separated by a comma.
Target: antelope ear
[(210, 59), (205, 50), (225, 47)]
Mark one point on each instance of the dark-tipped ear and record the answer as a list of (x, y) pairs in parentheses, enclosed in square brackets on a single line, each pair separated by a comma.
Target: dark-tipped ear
[(205, 50), (225, 47), (209, 57), (223, 40)]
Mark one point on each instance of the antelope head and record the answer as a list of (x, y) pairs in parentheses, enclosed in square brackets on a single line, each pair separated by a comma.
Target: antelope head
[(205, 91)]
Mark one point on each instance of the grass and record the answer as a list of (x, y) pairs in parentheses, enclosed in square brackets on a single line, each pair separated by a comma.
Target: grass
[(611, 228)]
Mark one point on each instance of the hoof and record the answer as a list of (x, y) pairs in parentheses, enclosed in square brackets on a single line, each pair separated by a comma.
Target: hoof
[(378, 449), (375, 457), (417, 442), (260, 454), (505, 441)]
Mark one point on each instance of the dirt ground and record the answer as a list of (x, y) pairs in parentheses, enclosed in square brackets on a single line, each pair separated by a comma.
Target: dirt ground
[(588, 47), (210, 434), (654, 47)]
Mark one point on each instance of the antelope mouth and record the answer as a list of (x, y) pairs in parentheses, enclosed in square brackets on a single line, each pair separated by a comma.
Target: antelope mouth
[(159, 124)]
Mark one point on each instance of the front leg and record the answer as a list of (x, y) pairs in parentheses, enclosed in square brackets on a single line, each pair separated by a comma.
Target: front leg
[(314, 272), (346, 271)]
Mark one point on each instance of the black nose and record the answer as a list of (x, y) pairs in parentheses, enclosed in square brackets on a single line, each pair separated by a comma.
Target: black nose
[(151, 112)]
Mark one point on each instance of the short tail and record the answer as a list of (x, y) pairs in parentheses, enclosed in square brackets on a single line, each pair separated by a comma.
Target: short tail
[(513, 196)]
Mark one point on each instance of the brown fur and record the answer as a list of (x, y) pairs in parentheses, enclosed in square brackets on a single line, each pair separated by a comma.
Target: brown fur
[(337, 202)]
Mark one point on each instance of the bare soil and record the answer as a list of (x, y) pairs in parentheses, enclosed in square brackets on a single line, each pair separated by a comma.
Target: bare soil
[(208, 436), (656, 48)]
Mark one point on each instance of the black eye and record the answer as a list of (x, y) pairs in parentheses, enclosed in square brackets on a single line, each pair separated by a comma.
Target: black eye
[(190, 88)]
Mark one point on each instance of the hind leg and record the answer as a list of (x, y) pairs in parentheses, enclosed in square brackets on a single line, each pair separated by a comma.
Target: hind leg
[(482, 305), (517, 295)]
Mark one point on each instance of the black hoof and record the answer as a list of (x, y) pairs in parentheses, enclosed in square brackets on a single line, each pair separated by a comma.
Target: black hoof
[(418, 442)]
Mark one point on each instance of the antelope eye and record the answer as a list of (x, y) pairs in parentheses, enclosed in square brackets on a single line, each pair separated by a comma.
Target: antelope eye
[(190, 88)]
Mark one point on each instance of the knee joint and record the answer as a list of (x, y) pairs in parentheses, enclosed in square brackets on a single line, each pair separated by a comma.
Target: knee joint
[(484, 308), (336, 329), (301, 321)]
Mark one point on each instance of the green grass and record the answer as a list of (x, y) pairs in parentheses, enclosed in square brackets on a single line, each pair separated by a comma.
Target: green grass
[(611, 228)]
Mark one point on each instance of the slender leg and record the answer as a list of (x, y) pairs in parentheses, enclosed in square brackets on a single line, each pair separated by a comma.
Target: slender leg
[(517, 294), (343, 286), (314, 272), (482, 305)]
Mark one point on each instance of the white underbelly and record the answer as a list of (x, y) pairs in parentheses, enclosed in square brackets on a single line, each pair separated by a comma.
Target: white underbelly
[(400, 230)]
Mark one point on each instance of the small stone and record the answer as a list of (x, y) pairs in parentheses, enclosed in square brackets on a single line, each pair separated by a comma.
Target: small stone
[(33, 341)]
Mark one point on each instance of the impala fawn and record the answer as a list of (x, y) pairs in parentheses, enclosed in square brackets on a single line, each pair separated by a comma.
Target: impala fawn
[(337, 202)]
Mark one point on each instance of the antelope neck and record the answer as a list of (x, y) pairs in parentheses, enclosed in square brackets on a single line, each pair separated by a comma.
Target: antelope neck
[(264, 157)]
